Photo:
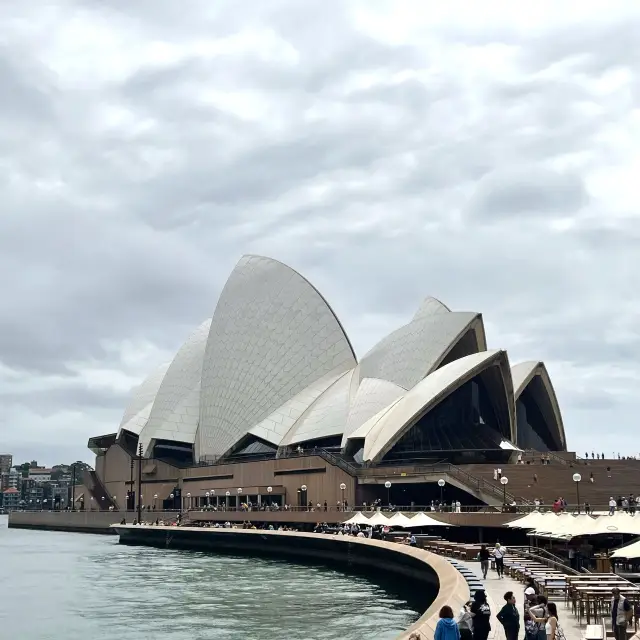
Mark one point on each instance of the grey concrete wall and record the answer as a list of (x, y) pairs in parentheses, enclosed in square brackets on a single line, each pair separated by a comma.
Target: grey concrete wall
[(81, 521)]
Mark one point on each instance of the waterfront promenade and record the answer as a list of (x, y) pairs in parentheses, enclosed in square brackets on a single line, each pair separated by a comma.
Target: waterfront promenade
[(496, 588)]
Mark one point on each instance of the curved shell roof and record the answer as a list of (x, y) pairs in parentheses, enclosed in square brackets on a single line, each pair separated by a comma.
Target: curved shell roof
[(276, 426), (372, 395), (272, 336), (523, 373), (430, 306), (410, 353), (172, 414), (326, 416), (139, 407), (388, 426)]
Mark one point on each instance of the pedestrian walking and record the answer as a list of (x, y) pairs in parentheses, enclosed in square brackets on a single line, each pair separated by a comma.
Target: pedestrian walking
[(499, 553), (484, 560)]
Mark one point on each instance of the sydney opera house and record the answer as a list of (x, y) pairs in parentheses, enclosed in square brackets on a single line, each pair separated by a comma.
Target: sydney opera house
[(271, 382)]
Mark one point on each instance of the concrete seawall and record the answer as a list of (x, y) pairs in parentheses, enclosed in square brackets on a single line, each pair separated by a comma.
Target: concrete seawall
[(77, 521), (93, 521), (420, 568)]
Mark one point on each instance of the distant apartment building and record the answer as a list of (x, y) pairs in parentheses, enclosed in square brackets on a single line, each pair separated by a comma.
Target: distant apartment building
[(10, 499), (40, 474), (11, 480), (6, 462), (33, 492)]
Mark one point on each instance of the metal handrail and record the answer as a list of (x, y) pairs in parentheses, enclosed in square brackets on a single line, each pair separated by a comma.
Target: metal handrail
[(549, 454), (552, 563), (481, 482), (528, 550)]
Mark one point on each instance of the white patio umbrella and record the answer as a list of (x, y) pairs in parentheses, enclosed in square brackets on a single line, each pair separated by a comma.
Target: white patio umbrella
[(399, 520), (378, 518), (617, 523), (358, 518), (631, 551), (565, 527), (423, 520), (533, 520)]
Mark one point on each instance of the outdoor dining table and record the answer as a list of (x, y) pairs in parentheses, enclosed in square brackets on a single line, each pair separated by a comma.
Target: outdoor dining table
[(595, 595)]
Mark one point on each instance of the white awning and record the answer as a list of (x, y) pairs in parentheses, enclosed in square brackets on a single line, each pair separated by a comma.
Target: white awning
[(378, 518), (423, 520), (630, 551), (358, 518), (399, 520), (617, 523)]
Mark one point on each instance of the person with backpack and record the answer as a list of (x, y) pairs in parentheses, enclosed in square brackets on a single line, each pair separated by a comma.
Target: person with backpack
[(499, 553), (538, 611), (530, 627), (509, 617), (553, 630), (465, 622)]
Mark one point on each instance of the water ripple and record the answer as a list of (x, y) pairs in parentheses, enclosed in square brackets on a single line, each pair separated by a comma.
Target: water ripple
[(65, 586)]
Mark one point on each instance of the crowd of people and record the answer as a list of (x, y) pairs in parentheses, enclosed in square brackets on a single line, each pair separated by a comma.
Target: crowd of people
[(541, 620)]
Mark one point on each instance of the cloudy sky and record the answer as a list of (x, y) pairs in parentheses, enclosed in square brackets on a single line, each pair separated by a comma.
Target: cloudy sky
[(487, 153)]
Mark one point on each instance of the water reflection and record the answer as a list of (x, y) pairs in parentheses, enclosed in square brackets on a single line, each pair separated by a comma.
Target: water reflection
[(65, 586)]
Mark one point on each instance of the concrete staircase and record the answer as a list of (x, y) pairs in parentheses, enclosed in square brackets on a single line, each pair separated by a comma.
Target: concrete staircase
[(556, 479)]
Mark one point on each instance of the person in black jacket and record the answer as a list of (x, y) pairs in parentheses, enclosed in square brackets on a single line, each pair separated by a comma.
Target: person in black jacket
[(481, 615), (509, 617), (484, 560)]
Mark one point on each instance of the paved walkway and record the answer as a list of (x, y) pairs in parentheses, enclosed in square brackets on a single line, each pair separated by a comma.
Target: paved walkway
[(496, 588)]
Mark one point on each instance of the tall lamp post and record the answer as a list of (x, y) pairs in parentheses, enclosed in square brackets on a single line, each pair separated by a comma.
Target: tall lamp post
[(238, 499), (212, 493), (576, 478), (387, 485), (228, 493), (130, 498), (269, 490), (173, 501), (441, 484), (207, 494), (343, 486), (73, 488), (504, 481), (303, 496), (155, 501), (139, 483)]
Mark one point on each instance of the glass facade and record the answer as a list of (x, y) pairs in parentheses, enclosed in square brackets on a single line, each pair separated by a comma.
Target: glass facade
[(534, 429), (465, 421)]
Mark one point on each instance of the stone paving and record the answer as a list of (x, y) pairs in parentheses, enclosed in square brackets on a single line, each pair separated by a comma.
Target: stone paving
[(496, 588)]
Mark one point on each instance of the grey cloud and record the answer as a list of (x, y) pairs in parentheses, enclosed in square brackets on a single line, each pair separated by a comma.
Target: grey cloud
[(528, 191), (78, 398), (127, 231)]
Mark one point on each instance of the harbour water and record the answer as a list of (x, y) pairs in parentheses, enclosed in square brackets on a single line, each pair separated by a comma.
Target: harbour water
[(67, 586)]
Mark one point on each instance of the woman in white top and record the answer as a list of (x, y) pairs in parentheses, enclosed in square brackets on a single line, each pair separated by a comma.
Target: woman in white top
[(552, 627)]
